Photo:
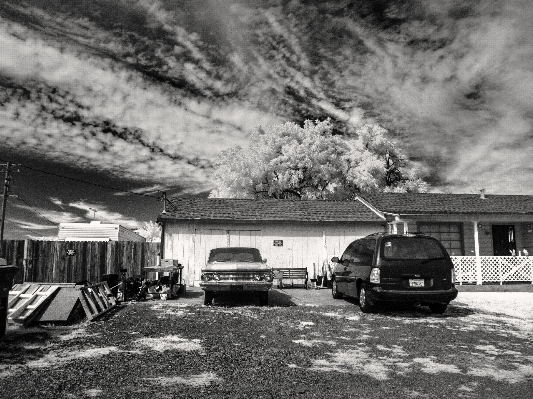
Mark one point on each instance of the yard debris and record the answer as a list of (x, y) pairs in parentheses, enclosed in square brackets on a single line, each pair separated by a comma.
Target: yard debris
[(31, 303)]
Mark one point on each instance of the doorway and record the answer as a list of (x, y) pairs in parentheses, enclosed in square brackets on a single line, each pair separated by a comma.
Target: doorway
[(503, 240)]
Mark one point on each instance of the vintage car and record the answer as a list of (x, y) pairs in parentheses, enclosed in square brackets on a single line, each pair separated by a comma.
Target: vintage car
[(236, 269), (387, 268)]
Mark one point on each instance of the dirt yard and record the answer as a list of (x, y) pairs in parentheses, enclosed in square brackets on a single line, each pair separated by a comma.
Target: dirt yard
[(305, 344)]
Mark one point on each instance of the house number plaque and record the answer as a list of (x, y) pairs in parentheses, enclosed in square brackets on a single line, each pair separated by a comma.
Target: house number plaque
[(278, 243)]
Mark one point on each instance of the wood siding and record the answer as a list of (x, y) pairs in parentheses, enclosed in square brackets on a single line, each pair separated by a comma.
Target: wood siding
[(50, 262), (304, 244)]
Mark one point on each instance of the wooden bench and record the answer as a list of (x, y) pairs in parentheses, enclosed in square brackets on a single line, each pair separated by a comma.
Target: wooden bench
[(283, 274)]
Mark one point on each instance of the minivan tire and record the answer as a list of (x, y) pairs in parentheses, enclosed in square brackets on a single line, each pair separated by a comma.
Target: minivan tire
[(364, 302), (438, 308), (334, 290)]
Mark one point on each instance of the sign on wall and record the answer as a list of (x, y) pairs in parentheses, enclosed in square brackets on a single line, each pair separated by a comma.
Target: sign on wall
[(278, 243)]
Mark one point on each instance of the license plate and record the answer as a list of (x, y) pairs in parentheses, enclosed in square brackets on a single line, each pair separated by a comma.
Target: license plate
[(236, 287), (416, 282)]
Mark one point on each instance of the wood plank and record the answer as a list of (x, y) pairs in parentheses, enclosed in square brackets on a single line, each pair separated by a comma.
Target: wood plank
[(30, 304)]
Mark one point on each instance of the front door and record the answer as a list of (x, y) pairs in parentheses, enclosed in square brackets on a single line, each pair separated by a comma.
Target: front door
[(503, 240)]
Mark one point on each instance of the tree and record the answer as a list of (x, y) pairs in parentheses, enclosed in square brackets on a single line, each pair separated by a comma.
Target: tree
[(151, 231), (289, 161)]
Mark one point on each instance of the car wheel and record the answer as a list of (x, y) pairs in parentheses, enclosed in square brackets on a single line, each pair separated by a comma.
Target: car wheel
[(208, 298), (335, 291), (438, 308), (263, 298), (364, 303)]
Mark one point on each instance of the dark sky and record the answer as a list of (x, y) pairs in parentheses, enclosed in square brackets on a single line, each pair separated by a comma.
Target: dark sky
[(103, 103)]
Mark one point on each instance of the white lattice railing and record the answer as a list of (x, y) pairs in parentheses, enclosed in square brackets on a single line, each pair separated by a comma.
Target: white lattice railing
[(492, 269)]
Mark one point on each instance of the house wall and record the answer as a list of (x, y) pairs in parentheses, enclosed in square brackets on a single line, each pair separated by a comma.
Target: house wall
[(303, 244), (96, 231)]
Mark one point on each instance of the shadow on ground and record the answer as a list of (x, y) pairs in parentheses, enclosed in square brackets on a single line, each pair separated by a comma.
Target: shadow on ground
[(232, 299)]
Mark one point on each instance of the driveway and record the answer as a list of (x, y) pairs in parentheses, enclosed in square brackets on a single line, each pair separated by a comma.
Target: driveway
[(305, 344)]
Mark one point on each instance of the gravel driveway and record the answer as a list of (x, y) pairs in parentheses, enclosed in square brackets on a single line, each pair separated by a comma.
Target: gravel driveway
[(305, 344)]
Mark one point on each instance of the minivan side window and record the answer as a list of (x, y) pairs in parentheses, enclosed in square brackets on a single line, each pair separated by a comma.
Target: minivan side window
[(360, 251)]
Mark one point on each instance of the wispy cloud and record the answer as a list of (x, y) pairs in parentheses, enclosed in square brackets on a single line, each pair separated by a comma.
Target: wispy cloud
[(152, 90)]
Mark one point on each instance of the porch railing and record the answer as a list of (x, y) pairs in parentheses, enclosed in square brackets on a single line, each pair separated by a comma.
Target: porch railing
[(493, 269)]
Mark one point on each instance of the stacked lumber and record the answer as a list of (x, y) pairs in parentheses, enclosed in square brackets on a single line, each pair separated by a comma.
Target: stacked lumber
[(44, 302)]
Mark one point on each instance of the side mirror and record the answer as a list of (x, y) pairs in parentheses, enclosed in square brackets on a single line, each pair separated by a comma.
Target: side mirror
[(335, 259), (264, 260)]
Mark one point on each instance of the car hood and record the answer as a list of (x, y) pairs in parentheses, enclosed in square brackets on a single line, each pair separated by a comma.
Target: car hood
[(244, 266)]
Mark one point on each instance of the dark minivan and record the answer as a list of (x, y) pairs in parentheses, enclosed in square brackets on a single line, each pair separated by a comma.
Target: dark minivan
[(382, 268)]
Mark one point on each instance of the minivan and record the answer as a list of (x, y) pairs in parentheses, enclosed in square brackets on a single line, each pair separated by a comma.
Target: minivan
[(384, 268)]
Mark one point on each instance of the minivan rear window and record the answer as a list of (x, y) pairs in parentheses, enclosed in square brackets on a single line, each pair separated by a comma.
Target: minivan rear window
[(411, 248)]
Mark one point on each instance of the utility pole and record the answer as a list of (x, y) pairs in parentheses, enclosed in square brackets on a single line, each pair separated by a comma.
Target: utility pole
[(4, 205)]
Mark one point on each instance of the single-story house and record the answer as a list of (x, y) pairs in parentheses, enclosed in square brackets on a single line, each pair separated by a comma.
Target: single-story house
[(482, 233), (489, 237), (96, 231), (467, 224), (288, 233)]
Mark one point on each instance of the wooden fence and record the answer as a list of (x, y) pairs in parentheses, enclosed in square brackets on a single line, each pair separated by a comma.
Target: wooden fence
[(75, 261)]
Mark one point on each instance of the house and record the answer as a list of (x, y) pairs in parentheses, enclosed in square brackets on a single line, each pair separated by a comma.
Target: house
[(467, 224), (481, 232), (96, 231), (288, 233), (486, 235)]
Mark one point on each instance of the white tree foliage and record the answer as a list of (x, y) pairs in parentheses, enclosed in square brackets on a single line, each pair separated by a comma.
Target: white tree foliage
[(151, 231), (290, 161)]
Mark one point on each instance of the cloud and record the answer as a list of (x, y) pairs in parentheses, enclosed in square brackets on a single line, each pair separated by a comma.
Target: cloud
[(156, 94), (74, 97), (101, 212)]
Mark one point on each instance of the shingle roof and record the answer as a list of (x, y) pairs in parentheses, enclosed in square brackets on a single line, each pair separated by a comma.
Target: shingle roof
[(190, 208), (429, 203)]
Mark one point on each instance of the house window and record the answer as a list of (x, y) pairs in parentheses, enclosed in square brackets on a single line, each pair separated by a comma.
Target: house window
[(449, 234)]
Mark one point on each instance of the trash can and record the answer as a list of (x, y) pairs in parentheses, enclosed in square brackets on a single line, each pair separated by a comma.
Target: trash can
[(6, 282)]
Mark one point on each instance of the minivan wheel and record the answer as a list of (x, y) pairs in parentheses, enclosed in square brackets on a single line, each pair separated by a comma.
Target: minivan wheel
[(438, 308), (364, 303), (208, 298), (334, 290)]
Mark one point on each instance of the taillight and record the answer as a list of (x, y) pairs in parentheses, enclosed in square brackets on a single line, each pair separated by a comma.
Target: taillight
[(453, 276), (375, 275)]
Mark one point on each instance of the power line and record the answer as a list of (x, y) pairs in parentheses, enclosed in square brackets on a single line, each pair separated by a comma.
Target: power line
[(36, 211), (83, 181)]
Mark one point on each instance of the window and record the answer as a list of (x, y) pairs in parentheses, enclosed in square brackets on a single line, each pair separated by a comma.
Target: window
[(411, 248), (360, 251), (449, 234)]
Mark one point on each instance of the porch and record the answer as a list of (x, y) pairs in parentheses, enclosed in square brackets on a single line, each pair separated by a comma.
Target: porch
[(493, 269)]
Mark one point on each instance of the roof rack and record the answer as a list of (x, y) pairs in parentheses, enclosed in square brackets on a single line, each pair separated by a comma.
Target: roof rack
[(376, 234)]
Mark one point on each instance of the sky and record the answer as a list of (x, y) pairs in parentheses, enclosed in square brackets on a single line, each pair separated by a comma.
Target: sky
[(105, 104)]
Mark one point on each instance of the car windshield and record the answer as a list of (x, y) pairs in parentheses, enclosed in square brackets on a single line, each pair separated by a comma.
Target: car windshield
[(412, 248), (235, 255)]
